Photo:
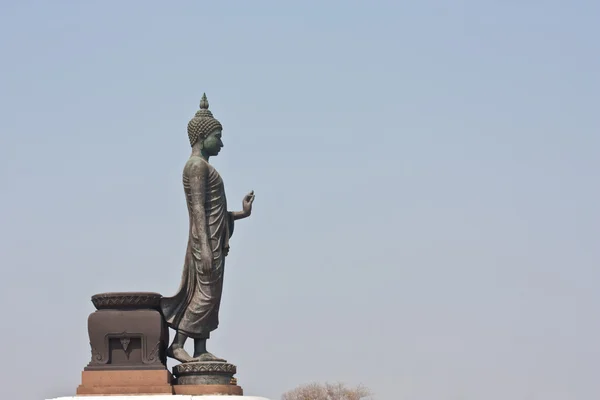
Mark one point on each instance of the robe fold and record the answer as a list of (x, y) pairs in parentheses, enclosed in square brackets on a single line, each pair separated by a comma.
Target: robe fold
[(194, 310)]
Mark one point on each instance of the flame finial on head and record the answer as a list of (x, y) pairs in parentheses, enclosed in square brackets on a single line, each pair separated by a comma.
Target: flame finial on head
[(204, 102)]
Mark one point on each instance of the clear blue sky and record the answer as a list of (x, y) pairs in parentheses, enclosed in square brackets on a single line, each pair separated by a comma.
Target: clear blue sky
[(426, 174)]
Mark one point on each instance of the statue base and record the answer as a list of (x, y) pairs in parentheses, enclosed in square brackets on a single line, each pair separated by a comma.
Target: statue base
[(125, 382), (204, 378), (207, 390), (165, 397)]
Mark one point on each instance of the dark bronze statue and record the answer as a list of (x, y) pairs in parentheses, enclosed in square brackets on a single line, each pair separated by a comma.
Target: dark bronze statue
[(194, 311)]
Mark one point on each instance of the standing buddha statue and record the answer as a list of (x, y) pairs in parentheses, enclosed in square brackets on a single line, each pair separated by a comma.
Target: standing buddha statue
[(193, 312)]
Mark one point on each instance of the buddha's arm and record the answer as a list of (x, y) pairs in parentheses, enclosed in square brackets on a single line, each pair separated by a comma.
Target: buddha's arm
[(198, 185), (239, 215)]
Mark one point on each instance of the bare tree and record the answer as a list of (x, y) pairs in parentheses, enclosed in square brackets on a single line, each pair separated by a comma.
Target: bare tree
[(327, 391)]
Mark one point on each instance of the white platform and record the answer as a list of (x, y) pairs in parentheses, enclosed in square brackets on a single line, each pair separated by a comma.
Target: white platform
[(162, 397)]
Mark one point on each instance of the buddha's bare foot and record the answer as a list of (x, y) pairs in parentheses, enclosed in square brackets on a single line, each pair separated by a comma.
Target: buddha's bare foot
[(179, 354), (207, 357)]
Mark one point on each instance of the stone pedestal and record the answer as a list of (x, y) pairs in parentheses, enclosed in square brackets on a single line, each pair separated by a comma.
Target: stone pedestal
[(206, 378), (128, 339), (127, 332)]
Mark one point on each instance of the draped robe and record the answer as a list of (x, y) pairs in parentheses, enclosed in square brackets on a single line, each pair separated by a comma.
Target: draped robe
[(194, 310)]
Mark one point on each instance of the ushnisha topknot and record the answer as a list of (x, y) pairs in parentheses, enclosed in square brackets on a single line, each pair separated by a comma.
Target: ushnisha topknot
[(203, 123)]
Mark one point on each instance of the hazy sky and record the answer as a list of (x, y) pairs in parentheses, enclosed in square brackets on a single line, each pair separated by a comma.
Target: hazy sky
[(426, 174)]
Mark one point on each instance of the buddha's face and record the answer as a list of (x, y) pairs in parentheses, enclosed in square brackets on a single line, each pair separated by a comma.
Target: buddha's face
[(212, 144)]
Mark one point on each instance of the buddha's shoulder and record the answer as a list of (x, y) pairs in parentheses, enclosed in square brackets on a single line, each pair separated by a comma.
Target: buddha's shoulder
[(197, 165)]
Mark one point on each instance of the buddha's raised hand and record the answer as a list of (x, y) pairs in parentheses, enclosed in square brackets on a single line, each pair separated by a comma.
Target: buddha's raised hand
[(247, 203)]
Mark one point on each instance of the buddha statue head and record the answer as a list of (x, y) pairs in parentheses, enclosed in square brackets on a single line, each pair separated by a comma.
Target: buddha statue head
[(204, 130)]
